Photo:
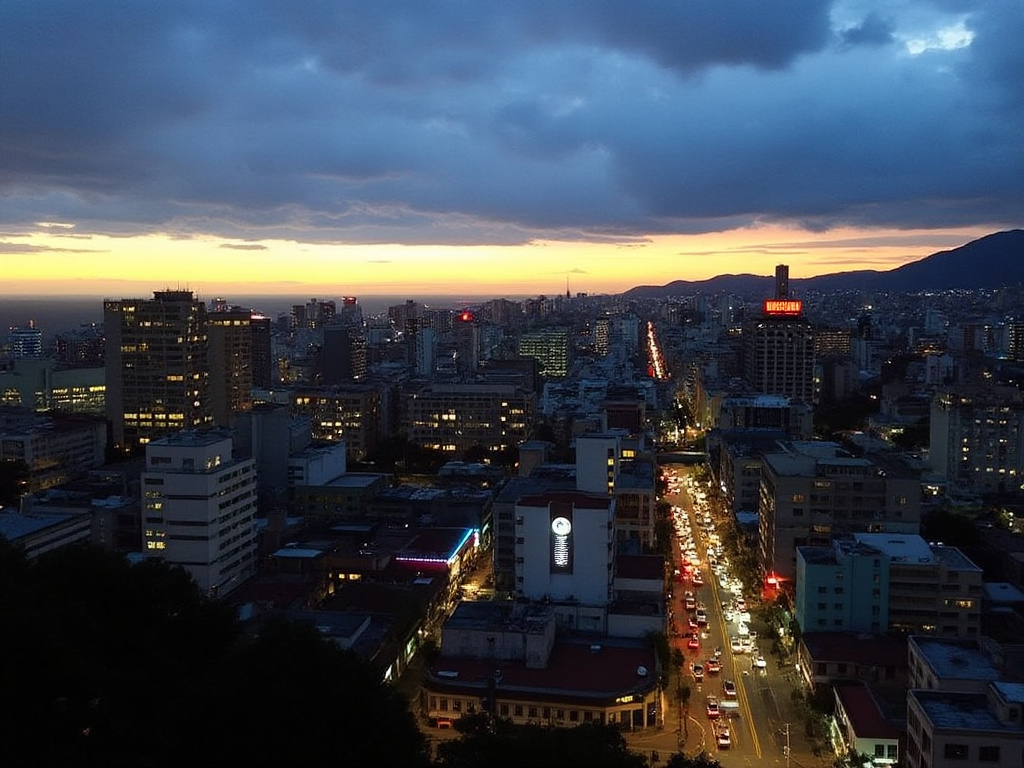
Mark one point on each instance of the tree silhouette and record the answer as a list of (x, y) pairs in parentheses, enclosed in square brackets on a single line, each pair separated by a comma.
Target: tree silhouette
[(107, 663)]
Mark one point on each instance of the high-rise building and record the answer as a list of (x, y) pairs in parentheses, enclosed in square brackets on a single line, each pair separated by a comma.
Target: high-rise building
[(550, 347), (812, 492), (264, 366), (157, 366), (778, 348), (199, 508), (977, 437), (26, 341), (336, 354), (80, 346), (230, 337), (466, 333)]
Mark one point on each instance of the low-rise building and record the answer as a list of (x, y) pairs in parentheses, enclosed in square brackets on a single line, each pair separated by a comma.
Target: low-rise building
[(862, 725), (947, 729), (504, 658)]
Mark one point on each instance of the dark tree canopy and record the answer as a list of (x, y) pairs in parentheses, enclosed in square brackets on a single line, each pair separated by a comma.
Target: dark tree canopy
[(107, 663)]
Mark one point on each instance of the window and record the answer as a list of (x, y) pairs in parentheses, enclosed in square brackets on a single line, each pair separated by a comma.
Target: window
[(574, 715), (517, 710), (503, 709), (955, 751), (822, 590), (456, 705), (988, 754), (531, 712), (444, 705)]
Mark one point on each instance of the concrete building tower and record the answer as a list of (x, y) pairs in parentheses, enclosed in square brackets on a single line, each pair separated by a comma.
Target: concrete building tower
[(778, 347), (199, 508), (157, 367), (230, 335)]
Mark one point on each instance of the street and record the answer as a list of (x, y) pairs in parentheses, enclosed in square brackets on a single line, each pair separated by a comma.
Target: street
[(752, 693)]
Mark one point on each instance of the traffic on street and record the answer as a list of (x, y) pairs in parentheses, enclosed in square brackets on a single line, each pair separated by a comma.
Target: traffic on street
[(738, 706)]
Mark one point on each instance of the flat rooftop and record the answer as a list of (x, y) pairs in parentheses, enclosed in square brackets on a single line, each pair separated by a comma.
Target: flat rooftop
[(955, 659), (961, 711)]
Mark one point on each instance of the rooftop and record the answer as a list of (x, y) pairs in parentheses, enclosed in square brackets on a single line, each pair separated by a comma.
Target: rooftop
[(14, 525), (899, 547), (1010, 692), (580, 670), (960, 711), (866, 717), (951, 658), (865, 649), (1002, 592)]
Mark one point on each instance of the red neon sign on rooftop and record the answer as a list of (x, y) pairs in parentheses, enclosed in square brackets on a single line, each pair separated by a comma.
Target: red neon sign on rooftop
[(783, 306)]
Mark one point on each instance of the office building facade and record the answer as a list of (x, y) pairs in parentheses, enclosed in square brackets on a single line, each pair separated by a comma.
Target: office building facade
[(157, 364)]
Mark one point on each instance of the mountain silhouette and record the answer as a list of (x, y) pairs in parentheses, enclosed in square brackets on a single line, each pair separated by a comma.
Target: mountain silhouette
[(992, 261)]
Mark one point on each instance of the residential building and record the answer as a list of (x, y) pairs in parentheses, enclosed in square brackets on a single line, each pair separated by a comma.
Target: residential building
[(199, 505), (881, 582), (353, 412), (230, 354), (947, 729), (453, 418), (959, 665), (814, 491), (977, 438), (863, 726)]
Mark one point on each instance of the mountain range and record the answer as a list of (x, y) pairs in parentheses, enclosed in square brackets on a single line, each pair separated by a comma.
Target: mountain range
[(992, 261)]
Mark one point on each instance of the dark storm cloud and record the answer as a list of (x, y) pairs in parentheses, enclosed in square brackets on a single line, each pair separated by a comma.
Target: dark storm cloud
[(464, 122)]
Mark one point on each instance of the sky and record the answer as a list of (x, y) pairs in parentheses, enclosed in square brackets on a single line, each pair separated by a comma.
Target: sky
[(488, 147)]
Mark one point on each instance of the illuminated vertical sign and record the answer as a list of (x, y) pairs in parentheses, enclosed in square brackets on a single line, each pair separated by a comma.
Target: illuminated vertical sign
[(561, 540)]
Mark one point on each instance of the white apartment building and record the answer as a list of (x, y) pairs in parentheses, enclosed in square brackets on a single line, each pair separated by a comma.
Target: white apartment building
[(564, 554), (199, 507), (948, 729)]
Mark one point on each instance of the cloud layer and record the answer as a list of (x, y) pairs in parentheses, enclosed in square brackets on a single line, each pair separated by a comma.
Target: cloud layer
[(424, 121)]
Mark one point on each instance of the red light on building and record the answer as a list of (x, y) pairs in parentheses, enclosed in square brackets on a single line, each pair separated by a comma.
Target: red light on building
[(466, 316), (789, 307), (773, 580)]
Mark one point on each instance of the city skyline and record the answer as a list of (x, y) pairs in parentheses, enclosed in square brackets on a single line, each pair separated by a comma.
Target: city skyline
[(497, 149)]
